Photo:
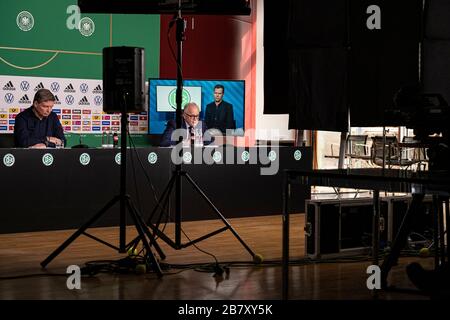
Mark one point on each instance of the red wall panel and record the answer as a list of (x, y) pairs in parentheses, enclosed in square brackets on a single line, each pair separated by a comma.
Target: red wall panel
[(215, 47), (212, 48)]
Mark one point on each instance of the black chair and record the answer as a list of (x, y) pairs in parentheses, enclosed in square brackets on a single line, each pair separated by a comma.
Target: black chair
[(357, 147), (415, 150), (386, 152)]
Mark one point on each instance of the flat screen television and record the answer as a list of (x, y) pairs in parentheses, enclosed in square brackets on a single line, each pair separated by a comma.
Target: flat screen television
[(162, 100)]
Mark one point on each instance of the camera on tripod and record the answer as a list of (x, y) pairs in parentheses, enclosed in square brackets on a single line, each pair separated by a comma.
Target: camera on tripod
[(428, 115)]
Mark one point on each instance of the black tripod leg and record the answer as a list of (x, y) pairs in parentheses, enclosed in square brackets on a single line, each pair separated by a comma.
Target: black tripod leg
[(376, 227), (447, 223), (441, 229), (205, 197), (400, 239), (162, 199), (285, 240), (436, 231), (150, 236), (140, 230), (135, 241), (79, 232), (152, 242)]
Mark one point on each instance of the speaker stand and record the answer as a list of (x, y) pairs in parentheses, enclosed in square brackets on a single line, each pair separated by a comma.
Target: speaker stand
[(179, 173), (125, 201)]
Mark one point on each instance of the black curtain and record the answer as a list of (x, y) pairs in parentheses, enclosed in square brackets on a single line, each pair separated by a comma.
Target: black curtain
[(317, 44), (436, 48), (276, 55), (382, 61), (317, 89), (330, 63)]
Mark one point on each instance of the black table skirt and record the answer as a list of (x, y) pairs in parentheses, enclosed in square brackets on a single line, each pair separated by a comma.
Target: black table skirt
[(63, 195)]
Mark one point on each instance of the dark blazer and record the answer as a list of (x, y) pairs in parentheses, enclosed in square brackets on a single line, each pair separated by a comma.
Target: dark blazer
[(30, 130), (220, 117), (166, 138)]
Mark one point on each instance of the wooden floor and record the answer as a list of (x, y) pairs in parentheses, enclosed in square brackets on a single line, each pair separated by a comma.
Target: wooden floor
[(21, 254)]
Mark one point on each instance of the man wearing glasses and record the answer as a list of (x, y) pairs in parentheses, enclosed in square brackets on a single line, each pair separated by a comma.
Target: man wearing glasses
[(190, 127)]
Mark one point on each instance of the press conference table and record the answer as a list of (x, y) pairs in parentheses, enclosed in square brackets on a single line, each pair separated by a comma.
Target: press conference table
[(54, 189), (376, 179)]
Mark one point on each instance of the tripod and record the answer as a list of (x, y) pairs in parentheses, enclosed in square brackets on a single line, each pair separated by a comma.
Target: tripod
[(145, 235), (177, 175)]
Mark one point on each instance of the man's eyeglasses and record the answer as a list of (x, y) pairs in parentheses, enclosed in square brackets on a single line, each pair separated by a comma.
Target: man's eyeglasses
[(192, 116)]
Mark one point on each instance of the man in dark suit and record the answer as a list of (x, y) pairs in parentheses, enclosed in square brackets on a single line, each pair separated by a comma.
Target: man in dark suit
[(38, 126), (219, 113), (190, 126)]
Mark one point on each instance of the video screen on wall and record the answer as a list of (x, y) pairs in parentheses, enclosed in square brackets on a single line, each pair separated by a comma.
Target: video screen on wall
[(162, 103)]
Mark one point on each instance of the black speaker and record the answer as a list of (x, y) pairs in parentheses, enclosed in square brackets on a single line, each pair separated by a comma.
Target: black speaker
[(123, 79)]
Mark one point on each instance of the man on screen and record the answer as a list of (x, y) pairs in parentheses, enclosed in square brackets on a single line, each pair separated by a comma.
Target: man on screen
[(38, 126), (219, 113), (190, 123)]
